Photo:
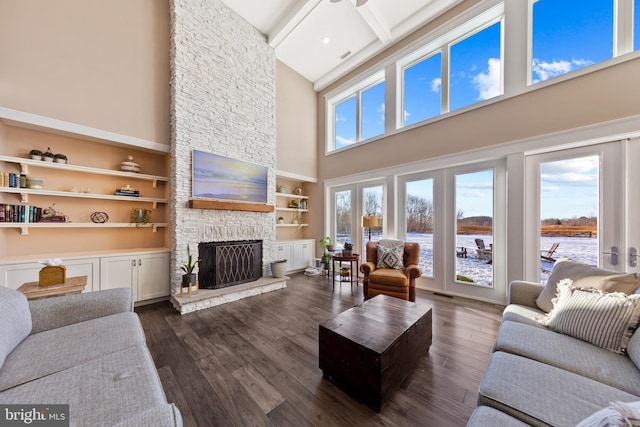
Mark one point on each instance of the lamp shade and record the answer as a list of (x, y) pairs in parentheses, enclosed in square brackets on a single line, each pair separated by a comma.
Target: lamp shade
[(369, 221)]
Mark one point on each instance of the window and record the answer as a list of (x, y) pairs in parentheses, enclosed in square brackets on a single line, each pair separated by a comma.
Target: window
[(422, 94), (359, 113), (343, 218), (474, 228), (372, 110), (476, 70), (419, 220), (372, 202), (346, 122), (568, 36)]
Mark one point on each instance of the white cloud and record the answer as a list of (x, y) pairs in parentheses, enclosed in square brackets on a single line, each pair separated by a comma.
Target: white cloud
[(406, 115), (436, 84), (489, 83), (381, 111), (475, 185), (549, 189), (341, 141), (340, 118), (474, 194), (543, 70), (578, 171)]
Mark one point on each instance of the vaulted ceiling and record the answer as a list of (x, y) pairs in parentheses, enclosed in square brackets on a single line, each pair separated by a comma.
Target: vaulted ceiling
[(352, 34)]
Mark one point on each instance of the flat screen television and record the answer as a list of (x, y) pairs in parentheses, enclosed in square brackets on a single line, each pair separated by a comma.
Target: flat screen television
[(223, 178)]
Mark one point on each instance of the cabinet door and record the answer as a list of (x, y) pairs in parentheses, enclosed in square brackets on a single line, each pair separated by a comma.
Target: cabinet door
[(119, 272), (285, 251), (14, 275), (153, 276), (302, 254)]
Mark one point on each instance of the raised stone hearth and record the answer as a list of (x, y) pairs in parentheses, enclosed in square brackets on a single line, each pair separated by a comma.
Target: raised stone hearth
[(207, 298)]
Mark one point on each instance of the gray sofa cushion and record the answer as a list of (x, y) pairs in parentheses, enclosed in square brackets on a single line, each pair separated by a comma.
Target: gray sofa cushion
[(633, 349), (15, 319), (524, 314), (62, 348), (484, 416), (570, 354), (540, 394), (100, 392), (585, 276), (165, 416)]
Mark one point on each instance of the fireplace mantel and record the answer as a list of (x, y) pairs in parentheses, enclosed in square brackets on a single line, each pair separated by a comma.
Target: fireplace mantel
[(229, 206)]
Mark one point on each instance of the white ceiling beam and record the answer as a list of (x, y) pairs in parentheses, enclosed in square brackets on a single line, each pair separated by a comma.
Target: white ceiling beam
[(377, 24), (290, 20), (432, 10)]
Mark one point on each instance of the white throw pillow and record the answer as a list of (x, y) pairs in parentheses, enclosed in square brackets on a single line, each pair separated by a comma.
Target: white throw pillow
[(601, 318)]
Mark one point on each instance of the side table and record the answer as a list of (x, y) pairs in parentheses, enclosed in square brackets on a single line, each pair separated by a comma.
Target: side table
[(339, 258), (73, 285)]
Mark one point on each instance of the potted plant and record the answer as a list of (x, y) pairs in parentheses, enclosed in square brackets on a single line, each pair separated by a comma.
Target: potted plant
[(60, 158), (280, 220), (327, 247), (189, 277), (347, 249), (35, 154), (47, 155), (278, 268)]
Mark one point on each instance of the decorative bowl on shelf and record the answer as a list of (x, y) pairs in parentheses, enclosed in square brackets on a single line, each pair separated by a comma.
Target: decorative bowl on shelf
[(130, 165)]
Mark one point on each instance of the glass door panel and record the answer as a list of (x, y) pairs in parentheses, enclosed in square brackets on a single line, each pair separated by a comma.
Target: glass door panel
[(372, 202), (343, 218), (569, 211), (474, 228), (419, 220)]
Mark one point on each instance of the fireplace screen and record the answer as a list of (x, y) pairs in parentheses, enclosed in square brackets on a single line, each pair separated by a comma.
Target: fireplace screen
[(225, 264)]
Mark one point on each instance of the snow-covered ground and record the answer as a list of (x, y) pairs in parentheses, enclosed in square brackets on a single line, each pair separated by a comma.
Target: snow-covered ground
[(581, 249)]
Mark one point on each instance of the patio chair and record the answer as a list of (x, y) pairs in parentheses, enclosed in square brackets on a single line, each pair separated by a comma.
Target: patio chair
[(548, 256), (482, 252)]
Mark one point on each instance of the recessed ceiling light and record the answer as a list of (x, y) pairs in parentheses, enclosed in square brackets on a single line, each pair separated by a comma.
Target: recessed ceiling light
[(326, 40)]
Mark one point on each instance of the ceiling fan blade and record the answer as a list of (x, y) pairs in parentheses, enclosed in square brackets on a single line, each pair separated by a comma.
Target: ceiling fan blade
[(360, 2)]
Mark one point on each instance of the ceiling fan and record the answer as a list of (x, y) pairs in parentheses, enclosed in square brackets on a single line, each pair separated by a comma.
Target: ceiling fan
[(358, 2)]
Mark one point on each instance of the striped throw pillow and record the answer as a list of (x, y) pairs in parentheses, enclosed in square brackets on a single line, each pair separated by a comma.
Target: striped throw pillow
[(605, 319)]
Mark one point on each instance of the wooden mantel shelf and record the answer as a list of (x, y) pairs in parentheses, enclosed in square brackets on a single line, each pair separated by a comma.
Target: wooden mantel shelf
[(229, 206)]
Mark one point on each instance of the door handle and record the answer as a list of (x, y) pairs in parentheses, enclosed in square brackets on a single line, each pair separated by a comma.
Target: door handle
[(614, 255), (633, 257)]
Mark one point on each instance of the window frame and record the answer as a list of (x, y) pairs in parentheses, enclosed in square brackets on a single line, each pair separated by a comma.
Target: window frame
[(354, 90)]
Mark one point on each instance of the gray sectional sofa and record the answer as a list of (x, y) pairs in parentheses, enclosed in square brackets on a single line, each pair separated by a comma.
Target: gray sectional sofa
[(86, 350), (540, 374)]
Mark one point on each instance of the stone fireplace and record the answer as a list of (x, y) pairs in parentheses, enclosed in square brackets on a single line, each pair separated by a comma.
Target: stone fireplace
[(223, 264), (222, 102)]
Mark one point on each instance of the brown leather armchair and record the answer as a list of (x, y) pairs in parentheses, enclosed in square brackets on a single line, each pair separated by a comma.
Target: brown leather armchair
[(389, 281)]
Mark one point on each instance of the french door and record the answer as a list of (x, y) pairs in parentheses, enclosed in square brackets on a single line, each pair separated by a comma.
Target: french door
[(575, 207)]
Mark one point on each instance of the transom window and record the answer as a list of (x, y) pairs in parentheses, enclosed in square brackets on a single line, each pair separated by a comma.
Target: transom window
[(568, 36)]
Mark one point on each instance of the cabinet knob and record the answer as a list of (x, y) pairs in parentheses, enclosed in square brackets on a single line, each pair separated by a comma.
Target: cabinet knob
[(133, 262), (140, 262)]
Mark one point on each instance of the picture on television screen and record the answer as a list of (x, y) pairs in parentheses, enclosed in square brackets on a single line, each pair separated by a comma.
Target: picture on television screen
[(219, 177)]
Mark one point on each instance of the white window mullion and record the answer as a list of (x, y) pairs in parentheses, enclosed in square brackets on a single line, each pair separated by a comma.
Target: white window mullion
[(444, 82), (623, 27), (359, 116)]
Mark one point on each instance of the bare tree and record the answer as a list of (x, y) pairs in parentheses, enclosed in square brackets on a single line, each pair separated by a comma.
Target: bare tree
[(419, 215)]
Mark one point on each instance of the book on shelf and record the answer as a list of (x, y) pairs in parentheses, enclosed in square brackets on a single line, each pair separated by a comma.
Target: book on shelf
[(55, 218), (19, 213)]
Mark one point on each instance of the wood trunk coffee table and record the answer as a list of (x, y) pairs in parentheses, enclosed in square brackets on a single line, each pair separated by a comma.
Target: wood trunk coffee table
[(370, 349)]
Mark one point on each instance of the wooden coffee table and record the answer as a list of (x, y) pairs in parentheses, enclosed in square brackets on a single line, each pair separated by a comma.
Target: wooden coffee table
[(370, 349)]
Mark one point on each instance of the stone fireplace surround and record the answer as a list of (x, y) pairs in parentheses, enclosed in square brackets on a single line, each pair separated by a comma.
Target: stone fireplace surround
[(223, 87)]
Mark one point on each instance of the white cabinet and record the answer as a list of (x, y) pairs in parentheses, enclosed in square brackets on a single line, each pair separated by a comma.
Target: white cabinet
[(147, 274), (298, 253), (14, 274), (303, 254)]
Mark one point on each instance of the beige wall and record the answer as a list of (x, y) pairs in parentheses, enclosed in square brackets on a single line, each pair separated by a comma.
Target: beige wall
[(296, 123), (103, 64)]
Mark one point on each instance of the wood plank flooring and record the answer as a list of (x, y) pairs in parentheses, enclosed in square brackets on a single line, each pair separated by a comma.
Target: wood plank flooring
[(254, 362)]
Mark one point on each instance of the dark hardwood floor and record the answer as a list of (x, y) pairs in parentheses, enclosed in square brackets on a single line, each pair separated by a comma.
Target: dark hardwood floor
[(254, 362)]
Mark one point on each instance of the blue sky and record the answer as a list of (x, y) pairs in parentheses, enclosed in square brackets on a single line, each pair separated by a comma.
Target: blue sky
[(567, 35)]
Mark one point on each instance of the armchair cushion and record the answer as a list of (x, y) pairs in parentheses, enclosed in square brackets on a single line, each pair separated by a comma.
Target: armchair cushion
[(389, 277), (390, 257), (15, 319)]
